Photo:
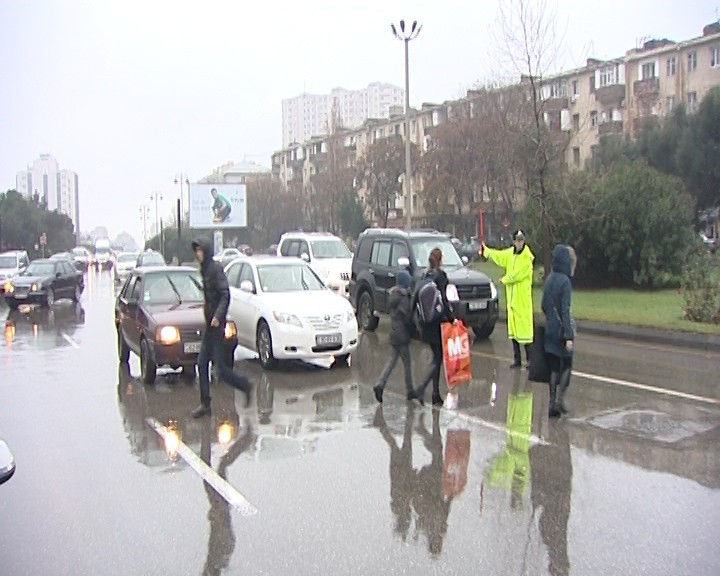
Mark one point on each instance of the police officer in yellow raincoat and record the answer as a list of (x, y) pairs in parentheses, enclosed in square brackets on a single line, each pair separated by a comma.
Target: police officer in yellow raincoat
[(518, 280)]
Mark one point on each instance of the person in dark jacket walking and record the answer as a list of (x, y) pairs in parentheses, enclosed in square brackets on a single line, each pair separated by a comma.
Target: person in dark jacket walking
[(399, 301), (430, 333), (217, 299), (559, 325)]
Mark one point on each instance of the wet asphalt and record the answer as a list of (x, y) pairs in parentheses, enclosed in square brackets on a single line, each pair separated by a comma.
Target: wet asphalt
[(628, 483)]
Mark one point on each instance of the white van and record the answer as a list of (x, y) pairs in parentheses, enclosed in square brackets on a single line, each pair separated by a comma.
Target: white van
[(11, 264), (327, 255)]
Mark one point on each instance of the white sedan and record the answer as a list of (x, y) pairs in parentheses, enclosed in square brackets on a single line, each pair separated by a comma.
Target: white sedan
[(283, 311)]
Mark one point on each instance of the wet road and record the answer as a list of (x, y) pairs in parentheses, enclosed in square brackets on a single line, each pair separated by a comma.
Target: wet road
[(314, 478)]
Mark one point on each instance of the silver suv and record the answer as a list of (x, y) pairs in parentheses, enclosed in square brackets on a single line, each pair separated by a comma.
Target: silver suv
[(11, 264)]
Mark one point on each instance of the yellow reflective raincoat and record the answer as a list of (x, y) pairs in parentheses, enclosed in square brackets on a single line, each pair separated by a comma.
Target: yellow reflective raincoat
[(518, 282)]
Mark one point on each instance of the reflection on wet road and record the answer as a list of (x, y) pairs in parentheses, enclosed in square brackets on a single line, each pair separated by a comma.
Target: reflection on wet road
[(629, 483)]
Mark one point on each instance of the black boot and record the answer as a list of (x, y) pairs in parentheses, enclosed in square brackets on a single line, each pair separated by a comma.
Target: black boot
[(517, 359), (378, 390), (564, 382), (202, 410), (553, 412), (528, 350)]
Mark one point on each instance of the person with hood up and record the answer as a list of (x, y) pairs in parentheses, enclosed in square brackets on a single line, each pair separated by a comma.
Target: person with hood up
[(518, 279), (400, 335), (559, 325), (217, 298)]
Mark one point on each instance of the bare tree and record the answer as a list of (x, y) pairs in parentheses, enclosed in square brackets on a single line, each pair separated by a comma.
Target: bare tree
[(271, 210), (530, 43)]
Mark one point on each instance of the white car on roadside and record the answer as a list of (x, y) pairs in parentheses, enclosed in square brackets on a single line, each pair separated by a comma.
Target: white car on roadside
[(283, 311), (124, 264)]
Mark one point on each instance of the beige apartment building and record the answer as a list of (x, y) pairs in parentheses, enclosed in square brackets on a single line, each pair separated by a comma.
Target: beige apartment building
[(580, 106)]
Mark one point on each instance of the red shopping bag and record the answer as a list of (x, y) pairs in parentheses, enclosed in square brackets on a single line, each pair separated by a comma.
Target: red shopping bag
[(456, 353), (457, 456)]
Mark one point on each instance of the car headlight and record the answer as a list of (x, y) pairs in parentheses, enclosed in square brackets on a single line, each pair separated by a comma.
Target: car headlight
[(230, 330), (168, 335), (493, 291), (350, 316), (9, 287), (287, 318), (34, 288)]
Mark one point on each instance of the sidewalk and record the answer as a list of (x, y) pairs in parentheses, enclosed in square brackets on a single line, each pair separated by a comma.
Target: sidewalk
[(707, 342)]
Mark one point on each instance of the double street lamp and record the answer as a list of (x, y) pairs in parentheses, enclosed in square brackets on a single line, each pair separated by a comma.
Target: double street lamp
[(145, 218), (179, 180), (405, 35)]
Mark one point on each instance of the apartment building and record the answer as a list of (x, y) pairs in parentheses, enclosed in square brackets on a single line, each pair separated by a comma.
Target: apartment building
[(662, 74), (308, 115), (59, 189)]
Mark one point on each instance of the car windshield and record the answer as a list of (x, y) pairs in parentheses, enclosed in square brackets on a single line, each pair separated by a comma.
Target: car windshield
[(8, 262), (330, 249), (423, 246), (152, 259), (102, 251), (40, 269), (79, 252), (127, 258), (288, 278), (173, 288)]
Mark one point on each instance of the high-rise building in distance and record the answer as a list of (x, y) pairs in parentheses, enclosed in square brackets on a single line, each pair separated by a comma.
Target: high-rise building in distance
[(307, 115)]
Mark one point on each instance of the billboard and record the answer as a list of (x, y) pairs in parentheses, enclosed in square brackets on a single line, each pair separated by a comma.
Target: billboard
[(218, 206)]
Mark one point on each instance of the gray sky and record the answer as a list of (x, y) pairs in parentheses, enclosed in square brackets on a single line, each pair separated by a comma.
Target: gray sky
[(127, 93)]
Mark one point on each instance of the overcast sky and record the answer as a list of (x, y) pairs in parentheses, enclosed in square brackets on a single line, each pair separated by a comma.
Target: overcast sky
[(127, 93)]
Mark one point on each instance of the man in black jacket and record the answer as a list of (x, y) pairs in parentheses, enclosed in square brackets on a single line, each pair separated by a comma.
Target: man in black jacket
[(217, 299)]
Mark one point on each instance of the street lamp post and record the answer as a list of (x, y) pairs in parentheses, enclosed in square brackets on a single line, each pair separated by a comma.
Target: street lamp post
[(157, 196), (145, 217), (179, 179), (406, 36)]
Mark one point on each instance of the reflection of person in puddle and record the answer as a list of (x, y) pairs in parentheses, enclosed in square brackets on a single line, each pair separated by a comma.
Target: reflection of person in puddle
[(551, 492), (429, 501), (402, 475), (221, 542)]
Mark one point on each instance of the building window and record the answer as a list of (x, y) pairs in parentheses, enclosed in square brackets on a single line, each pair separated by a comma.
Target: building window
[(593, 119), (576, 122), (671, 66), (607, 76), (558, 90), (692, 61), (592, 83), (576, 156), (715, 57), (648, 70), (670, 104), (575, 87), (692, 101)]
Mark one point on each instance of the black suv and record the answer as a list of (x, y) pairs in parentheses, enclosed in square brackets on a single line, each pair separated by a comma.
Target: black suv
[(382, 253)]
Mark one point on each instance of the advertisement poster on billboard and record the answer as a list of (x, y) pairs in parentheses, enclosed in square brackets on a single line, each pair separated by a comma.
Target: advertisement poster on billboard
[(218, 206)]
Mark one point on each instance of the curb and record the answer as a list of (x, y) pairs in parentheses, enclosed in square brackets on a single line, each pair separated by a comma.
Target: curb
[(692, 340)]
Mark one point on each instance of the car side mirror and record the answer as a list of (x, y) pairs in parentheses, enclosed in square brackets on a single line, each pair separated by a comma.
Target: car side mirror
[(247, 287), (305, 256), (465, 260), (7, 463), (403, 262)]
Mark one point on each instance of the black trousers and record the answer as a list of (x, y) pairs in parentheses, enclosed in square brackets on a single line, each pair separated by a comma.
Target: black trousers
[(516, 352), (400, 351), (211, 349), (433, 374)]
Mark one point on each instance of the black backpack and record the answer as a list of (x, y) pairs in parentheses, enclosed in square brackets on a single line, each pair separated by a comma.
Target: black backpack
[(429, 307)]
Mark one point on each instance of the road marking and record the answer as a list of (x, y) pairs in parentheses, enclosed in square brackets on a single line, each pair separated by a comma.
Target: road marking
[(221, 486), (624, 383), (70, 341)]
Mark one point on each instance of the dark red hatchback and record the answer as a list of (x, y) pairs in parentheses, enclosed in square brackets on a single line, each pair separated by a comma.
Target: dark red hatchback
[(159, 317)]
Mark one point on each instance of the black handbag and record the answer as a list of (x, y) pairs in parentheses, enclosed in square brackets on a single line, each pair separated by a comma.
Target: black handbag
[(539, 370)]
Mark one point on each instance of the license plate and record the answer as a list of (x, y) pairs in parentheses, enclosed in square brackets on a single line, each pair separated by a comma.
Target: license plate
[(20, 295), (325, 339), (192, 348), (478, 305)]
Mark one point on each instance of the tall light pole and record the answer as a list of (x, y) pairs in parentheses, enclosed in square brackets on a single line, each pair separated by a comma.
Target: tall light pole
[(179, 179), (157, 196), (145, 218), (406, 36)]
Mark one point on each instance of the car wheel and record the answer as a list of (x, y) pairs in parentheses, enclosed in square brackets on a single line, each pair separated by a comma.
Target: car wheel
[(264, 346), (368, 321), (148, 368), (342, 361), (123, 350), (50, 298), (77, 293), (483, 332)]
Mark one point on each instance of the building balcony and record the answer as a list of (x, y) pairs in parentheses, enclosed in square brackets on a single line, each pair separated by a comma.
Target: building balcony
[(647, 88), (609, 95), (556, 104), (614, 127)]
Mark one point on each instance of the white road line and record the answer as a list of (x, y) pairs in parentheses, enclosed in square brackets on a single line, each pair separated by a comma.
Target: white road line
[(70, 341), (221, 486), (625, 383)]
